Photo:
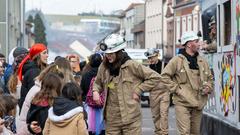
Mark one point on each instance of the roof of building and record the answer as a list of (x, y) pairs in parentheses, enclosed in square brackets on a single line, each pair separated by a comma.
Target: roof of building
[(131, 6)]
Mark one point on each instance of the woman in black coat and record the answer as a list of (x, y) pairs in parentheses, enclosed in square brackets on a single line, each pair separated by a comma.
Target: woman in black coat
[(30, 68)]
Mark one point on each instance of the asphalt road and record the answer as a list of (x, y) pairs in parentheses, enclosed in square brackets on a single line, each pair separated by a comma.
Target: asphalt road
[(148, 127)]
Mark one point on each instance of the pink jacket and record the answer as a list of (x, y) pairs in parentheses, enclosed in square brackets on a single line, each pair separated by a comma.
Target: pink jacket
[(22, 126)]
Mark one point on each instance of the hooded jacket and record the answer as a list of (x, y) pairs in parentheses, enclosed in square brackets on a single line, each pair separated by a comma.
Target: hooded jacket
[(65, 117)]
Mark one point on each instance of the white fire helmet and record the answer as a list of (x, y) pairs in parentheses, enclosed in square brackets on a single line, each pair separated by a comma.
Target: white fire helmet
[(113, 43), (188, 36), (151, 52)]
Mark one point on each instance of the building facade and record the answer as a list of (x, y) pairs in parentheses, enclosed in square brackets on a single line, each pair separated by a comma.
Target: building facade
[(186, 18), (139, 35), (168, 30), (132, 16), (11, 25), (159, 26), (154, 24)]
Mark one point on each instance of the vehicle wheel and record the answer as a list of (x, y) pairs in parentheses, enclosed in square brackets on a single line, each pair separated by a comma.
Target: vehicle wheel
[(148, 102)]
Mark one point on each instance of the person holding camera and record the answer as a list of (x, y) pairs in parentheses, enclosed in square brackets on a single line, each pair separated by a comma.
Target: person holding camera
[(189, 78)]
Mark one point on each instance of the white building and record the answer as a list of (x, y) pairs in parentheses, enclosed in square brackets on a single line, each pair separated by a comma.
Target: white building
[(11, 24), (154, 24), (132, 16), (187, 17), (159, 26)]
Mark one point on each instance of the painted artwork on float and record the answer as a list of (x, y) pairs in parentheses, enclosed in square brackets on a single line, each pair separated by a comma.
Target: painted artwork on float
[(211, 104), (227, 76), (238, 24)]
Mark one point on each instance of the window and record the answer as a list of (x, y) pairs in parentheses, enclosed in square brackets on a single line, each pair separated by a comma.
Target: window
[(189, 22), (227, 23), (209, 28), (184, 24), (3, 11), (195, 22), (178, 28)]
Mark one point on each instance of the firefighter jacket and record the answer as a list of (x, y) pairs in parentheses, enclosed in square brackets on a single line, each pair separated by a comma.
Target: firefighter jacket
[(133, 77), (178, 78)]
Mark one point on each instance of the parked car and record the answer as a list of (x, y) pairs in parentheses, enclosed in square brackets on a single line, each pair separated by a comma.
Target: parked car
[(145, 97)]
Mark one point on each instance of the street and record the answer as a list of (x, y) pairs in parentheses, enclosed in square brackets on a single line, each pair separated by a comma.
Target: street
[(148, 127)]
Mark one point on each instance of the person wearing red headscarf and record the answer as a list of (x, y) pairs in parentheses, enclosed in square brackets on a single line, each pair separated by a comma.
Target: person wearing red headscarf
[(30, 68)]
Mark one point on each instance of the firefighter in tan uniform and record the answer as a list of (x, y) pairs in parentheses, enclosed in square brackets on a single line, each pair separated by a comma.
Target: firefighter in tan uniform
[(159, 96), (190, 80), (123, 80)]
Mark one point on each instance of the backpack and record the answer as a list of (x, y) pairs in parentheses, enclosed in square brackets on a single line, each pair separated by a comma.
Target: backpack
[(89, 99)]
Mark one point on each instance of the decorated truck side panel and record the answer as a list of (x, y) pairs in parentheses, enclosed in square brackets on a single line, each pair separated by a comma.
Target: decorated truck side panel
[(222, 112)]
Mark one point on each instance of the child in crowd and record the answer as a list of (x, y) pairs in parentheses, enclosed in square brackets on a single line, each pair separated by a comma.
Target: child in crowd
[(43, 100), (66, 116)]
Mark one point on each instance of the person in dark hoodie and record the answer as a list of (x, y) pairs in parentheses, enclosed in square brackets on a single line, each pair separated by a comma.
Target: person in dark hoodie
[(30, 68), (95, 118), (37, 115), (66, 115)]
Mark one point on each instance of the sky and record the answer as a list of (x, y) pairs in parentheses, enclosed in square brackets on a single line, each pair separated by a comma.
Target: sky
[(73, 7)]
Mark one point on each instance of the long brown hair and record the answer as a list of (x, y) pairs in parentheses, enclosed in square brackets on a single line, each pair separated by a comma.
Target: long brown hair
[(53, 68), (117, 63), (51, 88), (37, 60), (2, 106), (12, 83), (7, 104), (66, 69), (13, 80)]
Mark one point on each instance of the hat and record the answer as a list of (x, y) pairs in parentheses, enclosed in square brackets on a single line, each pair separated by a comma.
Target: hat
[(18, 51), (188, 36), (211, 22), (36, 49), (151, 52), (113, 43)]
